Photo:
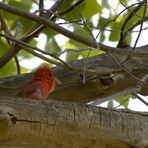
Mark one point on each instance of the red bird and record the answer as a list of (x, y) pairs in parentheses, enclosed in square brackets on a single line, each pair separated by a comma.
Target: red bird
[(40, 86)]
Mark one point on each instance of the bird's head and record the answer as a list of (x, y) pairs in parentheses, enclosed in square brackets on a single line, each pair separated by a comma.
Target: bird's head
[(45, 72)]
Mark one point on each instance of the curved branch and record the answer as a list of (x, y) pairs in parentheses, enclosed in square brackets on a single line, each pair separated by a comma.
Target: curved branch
[(122, 41)]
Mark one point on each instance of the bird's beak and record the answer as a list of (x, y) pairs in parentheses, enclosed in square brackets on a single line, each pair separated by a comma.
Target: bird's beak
[(57, 81)]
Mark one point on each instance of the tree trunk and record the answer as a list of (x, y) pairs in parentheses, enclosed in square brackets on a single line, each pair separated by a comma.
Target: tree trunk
[(36, 123)]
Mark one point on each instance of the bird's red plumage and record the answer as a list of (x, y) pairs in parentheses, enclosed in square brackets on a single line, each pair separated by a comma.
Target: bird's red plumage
[(40, 86)]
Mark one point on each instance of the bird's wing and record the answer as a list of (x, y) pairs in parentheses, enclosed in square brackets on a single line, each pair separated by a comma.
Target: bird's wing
[(36, 93), (30, 90)]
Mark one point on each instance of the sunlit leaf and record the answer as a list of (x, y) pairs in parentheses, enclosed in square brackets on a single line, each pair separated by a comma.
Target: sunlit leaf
[(91, 53), (74, 13), (91, 8), (9, 69), (52, 46), (102, 22), (115, 34), (102, 36), (4, 46), (22, 4), (123, 100)]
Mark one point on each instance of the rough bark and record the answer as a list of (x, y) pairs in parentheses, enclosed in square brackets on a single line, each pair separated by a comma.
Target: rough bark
[(103, 67), (60, 124), (36, 123)]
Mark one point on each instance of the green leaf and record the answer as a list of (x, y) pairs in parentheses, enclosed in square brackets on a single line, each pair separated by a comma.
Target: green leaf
[(24, 54), (49, 32), (136, 17), (10, 18), (26, 25), (65, 5), (71, 56), (81, 31), (74, 44), (73, 14), (129, 38), (91, 8), (91, 53), (102, 22), (124, 100), (52, 45), (9, 69), (4, 46), (21, 4), (102, 36), (33, 42), (115, 34)]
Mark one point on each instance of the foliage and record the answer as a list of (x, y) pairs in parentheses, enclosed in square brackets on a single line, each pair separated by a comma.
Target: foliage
[(96, 15)]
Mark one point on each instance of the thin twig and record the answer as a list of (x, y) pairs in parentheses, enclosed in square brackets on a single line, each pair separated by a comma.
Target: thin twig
[(93, 38), (4, 59), (7, 32), (41, 7), (144, 13), (113, 20), (70, 50), (136, 24), (130, 29), (138, 97), (17, 65), (72, 7), (13, 50), (130, 15), (142, 82), (123, 68), (28, 48), (131, 11), (122, 41), (38, 27)]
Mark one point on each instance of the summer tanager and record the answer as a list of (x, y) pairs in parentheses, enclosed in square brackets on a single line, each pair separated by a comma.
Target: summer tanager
[(40, 86)]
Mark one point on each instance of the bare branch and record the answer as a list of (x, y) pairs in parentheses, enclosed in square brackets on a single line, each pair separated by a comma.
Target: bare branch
[(41, 7), (65, 32), (7, 32), (28, 48), (144, 13), (138, 97), (33, 32), (122, 41)]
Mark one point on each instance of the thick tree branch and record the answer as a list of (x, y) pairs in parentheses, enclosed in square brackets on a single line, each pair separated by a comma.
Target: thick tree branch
[(73, 88), (40, 123)]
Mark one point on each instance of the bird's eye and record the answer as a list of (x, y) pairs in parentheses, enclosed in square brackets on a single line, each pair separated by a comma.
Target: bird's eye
[(50, 74)]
